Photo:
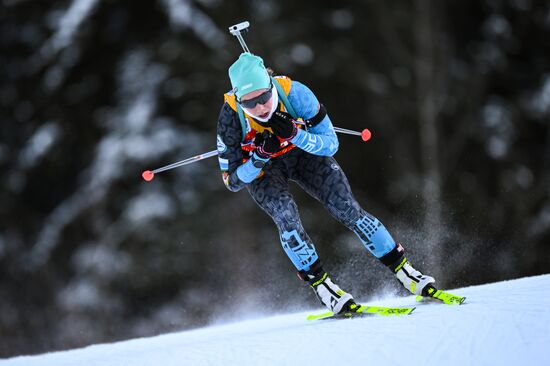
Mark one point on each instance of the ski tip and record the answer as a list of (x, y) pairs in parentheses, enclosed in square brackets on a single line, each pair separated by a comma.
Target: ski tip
[(325, 315)]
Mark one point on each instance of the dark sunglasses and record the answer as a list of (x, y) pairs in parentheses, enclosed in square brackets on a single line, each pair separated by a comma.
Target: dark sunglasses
[(260, 99)]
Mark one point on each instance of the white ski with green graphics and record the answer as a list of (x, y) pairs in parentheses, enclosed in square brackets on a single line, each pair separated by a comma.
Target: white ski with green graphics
[(364, 310)]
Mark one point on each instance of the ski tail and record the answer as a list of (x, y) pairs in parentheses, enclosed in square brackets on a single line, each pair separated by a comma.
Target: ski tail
[(443, 296), (384, 311), (364, 310)]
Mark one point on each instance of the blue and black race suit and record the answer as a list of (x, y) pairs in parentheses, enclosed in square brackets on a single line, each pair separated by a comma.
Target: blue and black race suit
[(312, 166)]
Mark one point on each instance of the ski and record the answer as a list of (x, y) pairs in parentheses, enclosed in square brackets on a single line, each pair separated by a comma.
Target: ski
[(363, 310), (443, 296)]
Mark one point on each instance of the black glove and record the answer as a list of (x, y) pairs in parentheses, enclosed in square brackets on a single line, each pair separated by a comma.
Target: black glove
[(267, 144), (283, 125)]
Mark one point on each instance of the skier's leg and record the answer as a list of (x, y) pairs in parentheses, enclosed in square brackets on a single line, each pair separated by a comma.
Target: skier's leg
[(271, 193), (323, 179)]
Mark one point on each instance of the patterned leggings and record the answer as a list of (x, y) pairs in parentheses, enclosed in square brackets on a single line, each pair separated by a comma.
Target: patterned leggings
[(322, 178)]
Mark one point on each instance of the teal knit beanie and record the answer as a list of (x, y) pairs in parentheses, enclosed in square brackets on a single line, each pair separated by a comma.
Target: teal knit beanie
[(247, 74)]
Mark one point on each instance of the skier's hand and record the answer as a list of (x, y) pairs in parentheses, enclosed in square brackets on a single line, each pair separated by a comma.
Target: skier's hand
[(267, 144), (283, 125)]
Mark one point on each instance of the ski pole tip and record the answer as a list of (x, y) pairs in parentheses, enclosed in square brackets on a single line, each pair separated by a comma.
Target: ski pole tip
[(148, 175), (366, 135)]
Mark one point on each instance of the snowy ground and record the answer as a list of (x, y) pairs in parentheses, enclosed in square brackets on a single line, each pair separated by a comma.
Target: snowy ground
[(505, 323)]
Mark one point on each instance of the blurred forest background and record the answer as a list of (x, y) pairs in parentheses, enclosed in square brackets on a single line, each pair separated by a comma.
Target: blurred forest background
[(93, 92)]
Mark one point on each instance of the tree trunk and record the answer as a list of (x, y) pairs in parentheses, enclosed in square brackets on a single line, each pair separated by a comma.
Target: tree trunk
[(426, 82)]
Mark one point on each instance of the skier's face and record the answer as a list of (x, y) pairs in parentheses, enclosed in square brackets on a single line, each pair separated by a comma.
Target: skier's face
[(260, 110)]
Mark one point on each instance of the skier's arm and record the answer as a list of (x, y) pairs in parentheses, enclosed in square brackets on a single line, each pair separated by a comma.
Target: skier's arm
[(235, 174), (320, 139)]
